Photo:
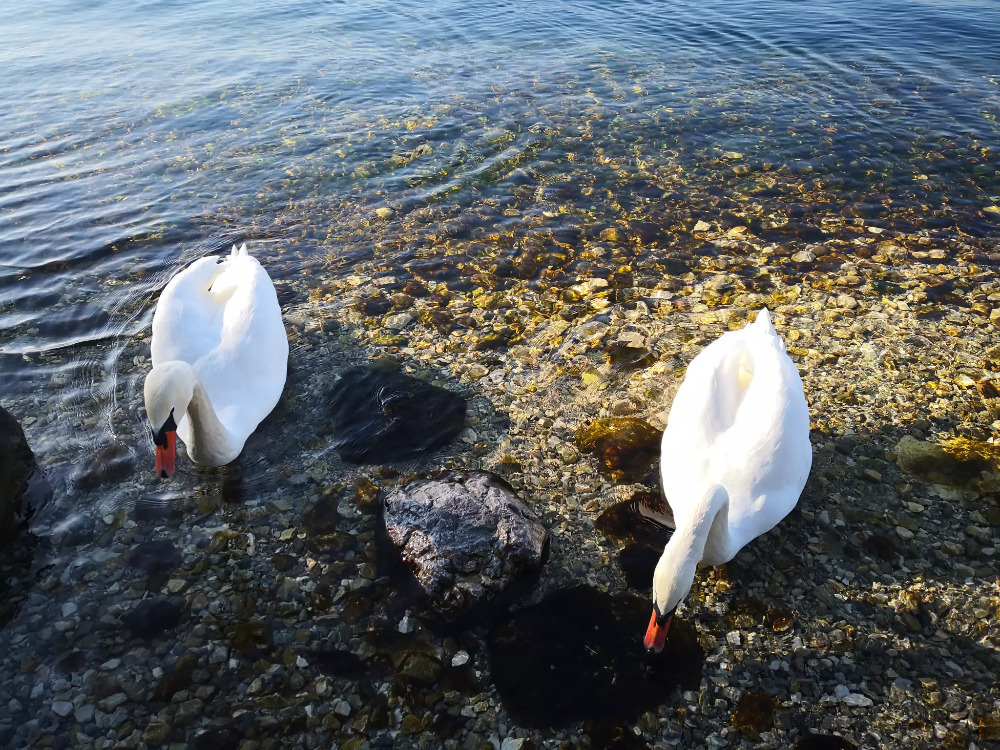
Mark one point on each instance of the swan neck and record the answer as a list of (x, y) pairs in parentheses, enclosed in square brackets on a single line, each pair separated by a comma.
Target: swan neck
[(705, 537), (210, 442)]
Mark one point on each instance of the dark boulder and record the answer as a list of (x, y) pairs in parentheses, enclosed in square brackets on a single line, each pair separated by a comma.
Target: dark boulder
[(465, 537), (22, 486), (388, 416)]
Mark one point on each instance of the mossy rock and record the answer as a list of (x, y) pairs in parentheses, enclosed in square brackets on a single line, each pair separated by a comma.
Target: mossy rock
[(625, 447)]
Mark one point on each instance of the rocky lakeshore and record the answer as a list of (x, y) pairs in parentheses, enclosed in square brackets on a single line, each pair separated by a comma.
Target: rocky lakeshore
[(253, 607)]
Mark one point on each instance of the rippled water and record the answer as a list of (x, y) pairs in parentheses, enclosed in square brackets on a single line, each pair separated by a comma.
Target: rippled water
[(137, 136)]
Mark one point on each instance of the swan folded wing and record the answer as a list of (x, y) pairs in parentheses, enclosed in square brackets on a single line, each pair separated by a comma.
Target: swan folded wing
[(245, 373)]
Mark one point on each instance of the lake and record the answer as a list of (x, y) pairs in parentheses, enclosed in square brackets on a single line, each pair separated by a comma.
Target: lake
[(537, 170)]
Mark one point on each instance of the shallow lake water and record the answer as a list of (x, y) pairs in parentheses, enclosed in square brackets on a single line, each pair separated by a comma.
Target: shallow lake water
[(465, 175)]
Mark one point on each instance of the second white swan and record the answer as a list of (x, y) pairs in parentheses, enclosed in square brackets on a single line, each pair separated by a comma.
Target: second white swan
[(734, 458)]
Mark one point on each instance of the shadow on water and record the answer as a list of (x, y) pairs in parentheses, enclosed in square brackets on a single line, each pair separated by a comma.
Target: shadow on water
[(578, 654)]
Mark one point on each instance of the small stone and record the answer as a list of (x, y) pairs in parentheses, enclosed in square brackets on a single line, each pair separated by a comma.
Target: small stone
[(384, 212), (62, 708), (462, 657), (342, 708), (841, 691), (411, 724), (109, 704), (858, 700), (904, 533), (702, 226), (733, 638), (156, 734), (176, 585)]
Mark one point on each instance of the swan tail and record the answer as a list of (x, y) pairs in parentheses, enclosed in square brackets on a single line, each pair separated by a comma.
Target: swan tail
[(763, 321), (237, 252)]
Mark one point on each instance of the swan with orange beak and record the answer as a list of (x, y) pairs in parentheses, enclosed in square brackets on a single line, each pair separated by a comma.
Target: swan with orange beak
[(734, 458), (220, 357)]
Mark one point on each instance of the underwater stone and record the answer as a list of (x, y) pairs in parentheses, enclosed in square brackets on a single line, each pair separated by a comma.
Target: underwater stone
[(625, 446), (465, 537), (933, 463), (380, 416), (755, 714), (157, 556), (154, 616), (111, 463), (22, 486)]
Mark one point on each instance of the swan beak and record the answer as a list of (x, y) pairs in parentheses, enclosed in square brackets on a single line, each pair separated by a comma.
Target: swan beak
[(656, 633), (165, 455)]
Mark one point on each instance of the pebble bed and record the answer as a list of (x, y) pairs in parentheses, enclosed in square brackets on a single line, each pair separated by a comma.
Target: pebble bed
[(870, 613)]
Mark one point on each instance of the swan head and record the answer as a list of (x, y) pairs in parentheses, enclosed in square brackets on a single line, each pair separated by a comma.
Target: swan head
[(168, 390), (672, 581)]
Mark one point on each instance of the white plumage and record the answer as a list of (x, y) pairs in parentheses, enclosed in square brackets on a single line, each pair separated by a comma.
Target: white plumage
[(734, 459), (220, 355)]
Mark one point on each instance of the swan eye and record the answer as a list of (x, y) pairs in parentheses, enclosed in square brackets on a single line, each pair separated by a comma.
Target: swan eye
[(160, 438)]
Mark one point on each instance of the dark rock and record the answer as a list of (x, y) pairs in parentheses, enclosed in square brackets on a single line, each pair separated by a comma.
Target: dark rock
[(380, 416), (644, 518), (179, 677), (111, 463), (465, 537), (156, 557), (154, 616), (755, 714), (22, 487), (578, 654), (628, 357), (625, 446), (957, 466)]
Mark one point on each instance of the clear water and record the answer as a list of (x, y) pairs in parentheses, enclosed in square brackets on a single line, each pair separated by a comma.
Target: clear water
[(137, 136)]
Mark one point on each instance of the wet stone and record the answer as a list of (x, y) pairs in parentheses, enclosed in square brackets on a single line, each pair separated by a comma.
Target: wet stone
[(933, 463), (419, 669), (755, 714), (388, 416), (644, 518), (154, 616), (110, 464), (178, 678), (625, 447), (156, 557), (549, 674), (465, 537), (22, 486), (624, 356)]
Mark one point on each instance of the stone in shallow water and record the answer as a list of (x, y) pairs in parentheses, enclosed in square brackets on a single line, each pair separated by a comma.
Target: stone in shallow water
[(154, 616), (625, 446), (465, 537), (956, 464), (755, 714), (578, 654), (388, 416), (156, 557), (111, 463), (22, 486)]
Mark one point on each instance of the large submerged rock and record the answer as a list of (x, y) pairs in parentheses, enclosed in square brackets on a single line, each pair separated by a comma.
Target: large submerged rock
[(466, 537), (388, 416), (22, 486)]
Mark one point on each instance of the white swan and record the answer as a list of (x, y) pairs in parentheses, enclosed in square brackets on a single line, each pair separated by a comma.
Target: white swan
[(220, 357), (735, 456)]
